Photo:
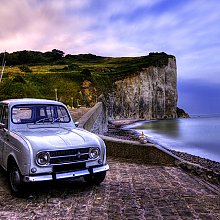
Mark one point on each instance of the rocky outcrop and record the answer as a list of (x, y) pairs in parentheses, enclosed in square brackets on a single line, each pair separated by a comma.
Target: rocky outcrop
[(181, 113), (149, 93)]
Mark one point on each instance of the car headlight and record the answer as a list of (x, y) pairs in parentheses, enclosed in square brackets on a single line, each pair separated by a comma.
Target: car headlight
[(94, 153), (43, 158)]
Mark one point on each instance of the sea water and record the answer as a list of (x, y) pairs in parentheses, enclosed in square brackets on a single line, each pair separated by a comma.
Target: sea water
[(199, 136)]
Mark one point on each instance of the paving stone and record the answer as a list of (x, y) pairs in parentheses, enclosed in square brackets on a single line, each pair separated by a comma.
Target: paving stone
[(130, 191)]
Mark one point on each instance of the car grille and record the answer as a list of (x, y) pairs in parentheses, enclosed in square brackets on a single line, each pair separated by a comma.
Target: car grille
[(69, 167), (69, 156)]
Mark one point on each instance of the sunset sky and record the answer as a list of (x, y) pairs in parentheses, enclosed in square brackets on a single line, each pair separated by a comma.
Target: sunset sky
[(187, 29)]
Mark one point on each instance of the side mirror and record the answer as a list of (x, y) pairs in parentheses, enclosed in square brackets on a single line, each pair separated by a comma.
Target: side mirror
[(77, 124)]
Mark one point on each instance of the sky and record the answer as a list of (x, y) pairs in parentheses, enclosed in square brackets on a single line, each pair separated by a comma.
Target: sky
[(187, 29)]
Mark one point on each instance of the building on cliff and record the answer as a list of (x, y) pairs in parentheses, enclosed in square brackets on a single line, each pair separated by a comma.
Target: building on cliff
[(149, 93)]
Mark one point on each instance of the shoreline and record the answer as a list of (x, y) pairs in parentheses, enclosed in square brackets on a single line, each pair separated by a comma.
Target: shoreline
[(116, 129)]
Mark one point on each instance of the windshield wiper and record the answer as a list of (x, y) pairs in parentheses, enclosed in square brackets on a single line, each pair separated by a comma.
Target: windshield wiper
[(58, 119), (50, 119)]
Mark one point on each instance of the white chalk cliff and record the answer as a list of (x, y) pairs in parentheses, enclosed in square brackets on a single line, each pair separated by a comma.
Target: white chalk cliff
[(149, 93)]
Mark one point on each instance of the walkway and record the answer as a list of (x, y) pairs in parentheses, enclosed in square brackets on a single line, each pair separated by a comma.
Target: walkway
[(130, 191)]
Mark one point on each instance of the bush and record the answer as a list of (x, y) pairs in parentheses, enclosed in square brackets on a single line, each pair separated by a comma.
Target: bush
[(15, 88), (86, 74), (19, 79), (25, 68)]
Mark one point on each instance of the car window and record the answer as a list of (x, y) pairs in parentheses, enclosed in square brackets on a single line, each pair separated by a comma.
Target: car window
[(50, 111), (20, 114), (39, 114), (62, 114), (1, 113), (42, 112), (4, 115)]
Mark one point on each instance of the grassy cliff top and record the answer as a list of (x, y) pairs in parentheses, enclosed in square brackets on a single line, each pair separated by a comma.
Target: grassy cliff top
[(79, 79)]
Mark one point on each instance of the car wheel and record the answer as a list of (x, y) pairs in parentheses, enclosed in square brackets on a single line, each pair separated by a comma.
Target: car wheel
[(95, 178), (15, 181)]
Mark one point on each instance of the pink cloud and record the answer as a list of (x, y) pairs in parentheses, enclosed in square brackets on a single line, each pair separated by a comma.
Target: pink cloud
[(35, 25)]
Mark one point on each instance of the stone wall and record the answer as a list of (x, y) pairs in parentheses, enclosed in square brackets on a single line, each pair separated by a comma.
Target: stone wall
[(150, 93)]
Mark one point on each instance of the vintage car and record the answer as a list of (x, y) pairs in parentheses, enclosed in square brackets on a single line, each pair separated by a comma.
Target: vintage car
[(39, 141)]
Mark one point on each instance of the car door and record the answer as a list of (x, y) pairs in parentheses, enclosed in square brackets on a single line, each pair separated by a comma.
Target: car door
[(3, 129)]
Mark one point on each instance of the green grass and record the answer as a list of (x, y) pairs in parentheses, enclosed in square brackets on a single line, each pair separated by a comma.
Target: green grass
[(66, 76)]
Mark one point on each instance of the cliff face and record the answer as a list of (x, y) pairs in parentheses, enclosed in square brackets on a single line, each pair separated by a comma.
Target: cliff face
[(149, 94)]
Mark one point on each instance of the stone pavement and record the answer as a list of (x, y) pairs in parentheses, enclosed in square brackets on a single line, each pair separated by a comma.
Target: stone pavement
[(130, 191)]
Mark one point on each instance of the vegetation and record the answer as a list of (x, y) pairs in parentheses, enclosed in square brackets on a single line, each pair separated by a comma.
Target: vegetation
[(77, 78)]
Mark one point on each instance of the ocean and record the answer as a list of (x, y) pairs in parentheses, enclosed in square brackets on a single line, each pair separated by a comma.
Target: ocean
[(199, 136)]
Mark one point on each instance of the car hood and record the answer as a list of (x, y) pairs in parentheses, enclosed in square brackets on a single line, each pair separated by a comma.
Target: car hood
[(62, 138)]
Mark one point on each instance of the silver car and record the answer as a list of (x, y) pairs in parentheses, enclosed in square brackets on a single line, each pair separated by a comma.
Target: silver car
[(39, 142)]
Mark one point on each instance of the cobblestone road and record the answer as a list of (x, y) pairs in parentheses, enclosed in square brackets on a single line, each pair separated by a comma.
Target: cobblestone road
[(130, 191)]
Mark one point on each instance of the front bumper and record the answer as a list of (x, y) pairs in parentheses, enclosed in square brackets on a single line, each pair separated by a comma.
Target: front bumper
[(65, 175)]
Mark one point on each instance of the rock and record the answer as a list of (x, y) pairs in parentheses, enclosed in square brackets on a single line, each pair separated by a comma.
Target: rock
[(181, 113)]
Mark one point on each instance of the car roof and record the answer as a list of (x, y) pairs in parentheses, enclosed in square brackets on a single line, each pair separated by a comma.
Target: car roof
[(30, 101)]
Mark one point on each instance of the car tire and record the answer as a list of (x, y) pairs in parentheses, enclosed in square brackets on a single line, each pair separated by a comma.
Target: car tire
[(96, 178), (16, 183)]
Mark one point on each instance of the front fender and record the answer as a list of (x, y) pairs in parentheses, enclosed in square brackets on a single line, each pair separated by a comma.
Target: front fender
[(20, 149)]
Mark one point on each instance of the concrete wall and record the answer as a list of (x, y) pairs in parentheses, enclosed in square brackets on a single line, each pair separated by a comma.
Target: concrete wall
[(151, 154), (144, 153), (95, 120)]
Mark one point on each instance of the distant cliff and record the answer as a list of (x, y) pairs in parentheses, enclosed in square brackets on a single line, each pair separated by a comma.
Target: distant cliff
[(149, 93)]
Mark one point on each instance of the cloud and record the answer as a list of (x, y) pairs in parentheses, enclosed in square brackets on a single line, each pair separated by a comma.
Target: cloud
[(41, 25), (187, 29)]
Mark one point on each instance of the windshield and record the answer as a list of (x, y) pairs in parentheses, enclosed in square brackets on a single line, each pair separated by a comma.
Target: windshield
[(23, 114)]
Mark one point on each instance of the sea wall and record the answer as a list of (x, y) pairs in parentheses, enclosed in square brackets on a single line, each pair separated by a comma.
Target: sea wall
[(146, 153), (95, 120), (151, 154), (148, 94)]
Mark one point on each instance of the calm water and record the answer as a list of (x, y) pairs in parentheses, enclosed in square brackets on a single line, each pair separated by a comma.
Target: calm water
[(198, 136)]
